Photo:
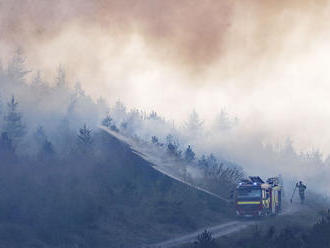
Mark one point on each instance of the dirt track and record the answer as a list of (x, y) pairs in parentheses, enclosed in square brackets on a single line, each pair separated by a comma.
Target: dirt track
[(217, 231)]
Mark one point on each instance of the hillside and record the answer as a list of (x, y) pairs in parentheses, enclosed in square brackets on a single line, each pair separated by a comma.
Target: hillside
[(106, 198)]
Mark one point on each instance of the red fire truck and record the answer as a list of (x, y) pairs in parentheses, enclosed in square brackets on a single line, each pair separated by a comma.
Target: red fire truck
[(254, 197)]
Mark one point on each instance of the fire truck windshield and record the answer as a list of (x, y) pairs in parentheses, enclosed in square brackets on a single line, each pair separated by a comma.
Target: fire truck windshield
[(245, 193)]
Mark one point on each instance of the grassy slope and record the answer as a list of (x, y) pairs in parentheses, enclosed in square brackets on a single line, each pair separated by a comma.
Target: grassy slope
[(110, 199)]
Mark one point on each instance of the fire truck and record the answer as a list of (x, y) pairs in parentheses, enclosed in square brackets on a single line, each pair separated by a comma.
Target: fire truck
[(254, 197)]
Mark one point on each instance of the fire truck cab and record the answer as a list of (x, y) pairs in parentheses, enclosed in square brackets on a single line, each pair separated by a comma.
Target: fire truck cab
[(254, 197)]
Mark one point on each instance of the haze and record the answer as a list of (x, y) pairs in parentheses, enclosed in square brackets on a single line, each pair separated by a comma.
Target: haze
[(264, 61)]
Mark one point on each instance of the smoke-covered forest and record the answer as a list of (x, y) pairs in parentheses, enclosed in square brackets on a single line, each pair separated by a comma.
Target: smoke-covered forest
[(39, 116), (65, 182), (164, 124)]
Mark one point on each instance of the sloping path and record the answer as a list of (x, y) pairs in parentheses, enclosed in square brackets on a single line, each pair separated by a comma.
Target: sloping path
[(217, 231)]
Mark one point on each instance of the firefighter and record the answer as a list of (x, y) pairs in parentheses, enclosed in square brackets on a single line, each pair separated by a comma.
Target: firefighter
[(301, 187)]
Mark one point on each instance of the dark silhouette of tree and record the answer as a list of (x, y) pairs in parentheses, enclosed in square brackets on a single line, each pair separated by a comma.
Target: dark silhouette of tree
[(14, 126), (173, 146), (154, 116), (189, 155), (85, 138), (205, 240), (154, 140), (108, 122)]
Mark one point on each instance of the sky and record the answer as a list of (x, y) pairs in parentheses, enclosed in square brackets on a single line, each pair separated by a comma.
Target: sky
[(264, 61)]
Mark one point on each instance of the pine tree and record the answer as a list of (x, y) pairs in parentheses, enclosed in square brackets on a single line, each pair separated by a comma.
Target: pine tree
[(194, 124), (45, 146), (16, 67), (154, 140), (85, 139), (173, 146), (189, 155), (225, 122), (14, 126), (108, 122), (154, 116), (205, 240)]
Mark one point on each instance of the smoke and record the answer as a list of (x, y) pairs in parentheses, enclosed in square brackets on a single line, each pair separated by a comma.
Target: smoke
[(264, 60), (195, 34), (191, 31)]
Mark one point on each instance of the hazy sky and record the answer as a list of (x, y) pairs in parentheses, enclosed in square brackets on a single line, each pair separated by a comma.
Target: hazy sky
[(265, 61)]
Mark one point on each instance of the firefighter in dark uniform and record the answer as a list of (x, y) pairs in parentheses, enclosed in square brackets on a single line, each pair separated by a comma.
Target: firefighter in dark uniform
[(301, 187)]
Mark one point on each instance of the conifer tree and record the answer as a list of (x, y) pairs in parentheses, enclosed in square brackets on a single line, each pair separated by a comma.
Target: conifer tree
[(13, 125), (189, 155), (194, 124), (16, 67), (85, 139), (45, 146), (108, 122)]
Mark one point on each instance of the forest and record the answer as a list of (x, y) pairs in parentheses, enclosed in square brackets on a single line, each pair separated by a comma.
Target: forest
[(64, 182)]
